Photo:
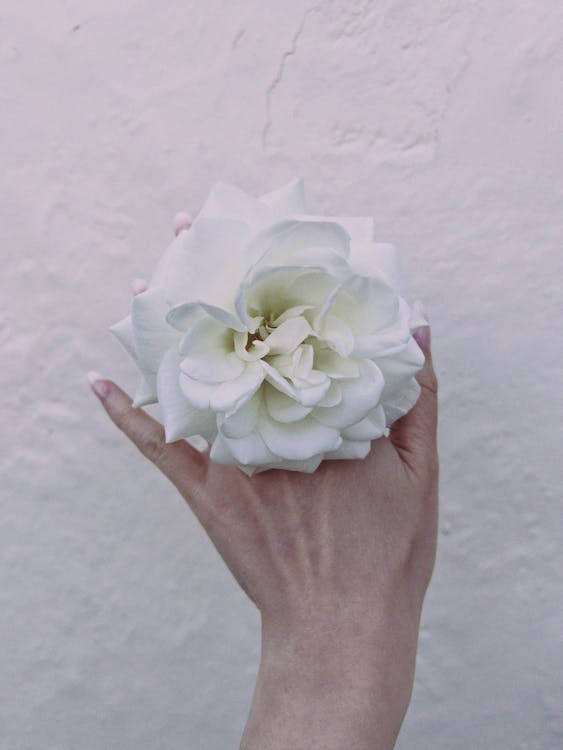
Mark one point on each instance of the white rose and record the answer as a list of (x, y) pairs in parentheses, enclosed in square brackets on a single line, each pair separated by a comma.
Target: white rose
[(281, 338)]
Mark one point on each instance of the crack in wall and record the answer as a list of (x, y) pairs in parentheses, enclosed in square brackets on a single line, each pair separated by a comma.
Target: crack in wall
[(279, 74)]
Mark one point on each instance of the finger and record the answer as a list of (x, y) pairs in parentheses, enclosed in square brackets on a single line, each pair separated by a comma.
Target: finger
[(180, 462), (182, 222), (414, 435)]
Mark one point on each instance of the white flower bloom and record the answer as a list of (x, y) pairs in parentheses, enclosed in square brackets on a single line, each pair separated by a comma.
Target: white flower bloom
[(280, 337)]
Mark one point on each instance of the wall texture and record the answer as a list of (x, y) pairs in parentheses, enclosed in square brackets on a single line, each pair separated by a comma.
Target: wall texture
[(119, 625)]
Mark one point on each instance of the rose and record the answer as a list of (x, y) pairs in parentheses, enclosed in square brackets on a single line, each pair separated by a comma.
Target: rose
[(281, 338)]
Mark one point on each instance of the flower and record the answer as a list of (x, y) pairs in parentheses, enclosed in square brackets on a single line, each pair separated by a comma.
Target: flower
[(280, 337)]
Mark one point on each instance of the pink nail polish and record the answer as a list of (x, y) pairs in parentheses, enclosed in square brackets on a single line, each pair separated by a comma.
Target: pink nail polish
[(139, 286), (99, 385), (182, 221), (422, 338)]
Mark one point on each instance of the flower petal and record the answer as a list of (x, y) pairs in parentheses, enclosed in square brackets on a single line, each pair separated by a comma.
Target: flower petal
[(302, 243), (333, 396), (288, 336), (398, 406), (230, 202), (335, 366), (378, 258), (145, 392), (250, 449), (399, 368), (181, 420), (360, 228), (257, 350), (386, 341), (123, 332), (287, 200), (278, 381), (191, 274), (370, 428), (337, 334), (239, 423), (233, 393), (298, 440), (182, 317), (197, 392), (359, 396), (152, 335), (208, 352), (350, 449), (366, 304), (282, 408)]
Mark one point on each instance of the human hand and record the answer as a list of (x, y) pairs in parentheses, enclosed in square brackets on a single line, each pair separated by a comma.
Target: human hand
[(338, 563), (296, 541)]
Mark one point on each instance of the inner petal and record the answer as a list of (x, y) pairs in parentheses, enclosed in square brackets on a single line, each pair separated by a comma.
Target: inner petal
[(286, 337)]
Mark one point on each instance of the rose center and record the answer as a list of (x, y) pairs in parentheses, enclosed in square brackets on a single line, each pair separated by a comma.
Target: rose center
[(261, 333)]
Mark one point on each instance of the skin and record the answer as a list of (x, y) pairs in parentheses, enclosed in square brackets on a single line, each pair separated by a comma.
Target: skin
[(338, 563)]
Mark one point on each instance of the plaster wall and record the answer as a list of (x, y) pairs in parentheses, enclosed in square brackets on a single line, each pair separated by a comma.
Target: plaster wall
[(120, 627)]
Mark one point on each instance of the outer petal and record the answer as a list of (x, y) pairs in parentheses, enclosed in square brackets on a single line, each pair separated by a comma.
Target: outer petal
[(306, 467), (181, 420), (376, 258), (123, 332), (386, 341), (287, 200), (152, 335), (360, 228), (399, 405), (230, 202), (298, 243), (145, 393), (366, 304), (246, 450), (399, 368), (298, 440), (190, 272), (370, 428), (350, 449)]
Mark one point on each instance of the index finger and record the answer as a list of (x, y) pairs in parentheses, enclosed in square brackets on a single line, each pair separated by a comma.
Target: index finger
[(180, 462)]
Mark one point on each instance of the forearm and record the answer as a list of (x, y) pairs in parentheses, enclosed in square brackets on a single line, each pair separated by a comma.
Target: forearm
[(333, 686)]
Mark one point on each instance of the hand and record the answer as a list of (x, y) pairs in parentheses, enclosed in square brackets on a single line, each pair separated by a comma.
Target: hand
[(296, 542), (338, 563)]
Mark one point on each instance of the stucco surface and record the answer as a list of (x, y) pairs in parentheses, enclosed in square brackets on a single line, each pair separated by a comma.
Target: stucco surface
[(120, 627)]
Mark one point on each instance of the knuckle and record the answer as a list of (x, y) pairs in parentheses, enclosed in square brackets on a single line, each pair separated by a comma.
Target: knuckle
[(430, 383), (153, 447)]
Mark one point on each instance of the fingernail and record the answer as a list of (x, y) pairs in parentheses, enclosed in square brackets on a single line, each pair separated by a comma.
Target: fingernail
[(422, 335), (98, 384), (139, 286), (182, 221), (422, 338)]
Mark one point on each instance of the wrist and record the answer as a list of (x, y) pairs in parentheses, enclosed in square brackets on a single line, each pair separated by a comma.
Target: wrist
[(333, 678)]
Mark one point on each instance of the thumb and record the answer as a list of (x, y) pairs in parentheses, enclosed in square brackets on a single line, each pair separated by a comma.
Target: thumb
[(414, 435)]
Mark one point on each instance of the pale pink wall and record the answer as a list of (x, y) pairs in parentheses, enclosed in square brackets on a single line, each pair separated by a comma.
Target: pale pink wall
[(119, 626)]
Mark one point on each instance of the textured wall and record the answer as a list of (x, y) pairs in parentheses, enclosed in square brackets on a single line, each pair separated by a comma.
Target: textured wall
[(119, 625)]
